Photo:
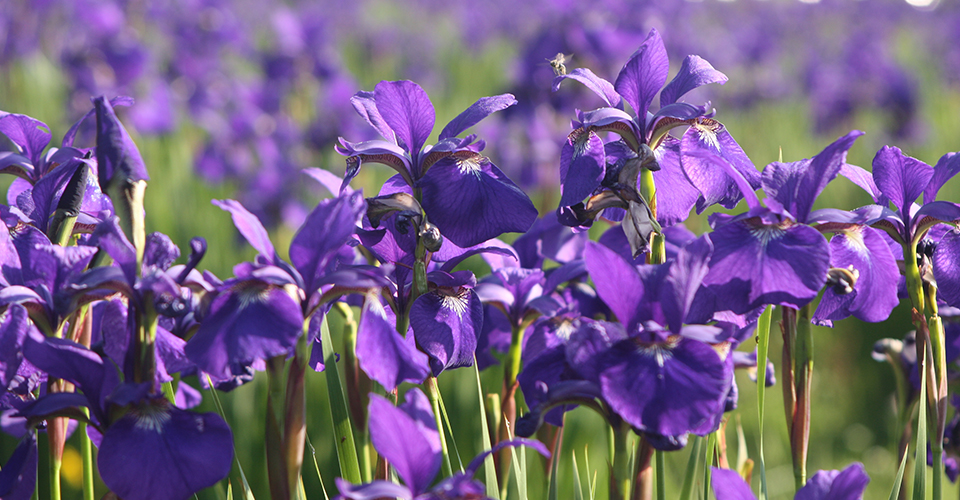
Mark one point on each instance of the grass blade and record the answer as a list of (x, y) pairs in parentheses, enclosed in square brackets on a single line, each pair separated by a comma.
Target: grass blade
[(489, 470), (446, 421), (895, 492), (763, 347), (313, 453), (555, 465), (695, 452), (247, 492), (342, 427), (920, 472), (577, 487)]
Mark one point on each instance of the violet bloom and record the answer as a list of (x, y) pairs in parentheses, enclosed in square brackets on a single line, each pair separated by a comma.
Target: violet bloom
[(407, 437), (771, 256), (261, 312), (848, 484), (688, 171), (461, 191), (149, 448)]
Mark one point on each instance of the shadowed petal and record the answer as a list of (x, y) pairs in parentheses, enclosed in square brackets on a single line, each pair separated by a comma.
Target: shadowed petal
[(947, 167), (668, 388), (447, 323), (728, 485), (472, 201), (407, 436), (582, 166), (18, 478), (875, 293), (675, 194), (160, 452), (28, 134), (616, 280), (329, 226), (946, 267), (251, 321), (372, 491), (384, 354), (777, 265), (117, 155), (847, 484), (250, 227)]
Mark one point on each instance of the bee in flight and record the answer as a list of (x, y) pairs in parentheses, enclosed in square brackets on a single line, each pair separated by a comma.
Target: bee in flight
[(557, 63)]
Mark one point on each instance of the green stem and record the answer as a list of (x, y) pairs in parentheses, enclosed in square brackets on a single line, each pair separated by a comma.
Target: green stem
[(763, 345), (434, 393), (803, 363), (340, 415), (54, 471), (276, 465), (621, 489), (648, 190), (358, 386), (661, 477), (86, 450), (295, 414)]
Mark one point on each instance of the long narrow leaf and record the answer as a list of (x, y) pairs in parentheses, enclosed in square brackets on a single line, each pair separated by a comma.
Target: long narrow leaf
[(313, 453), (342, 427), (895, 492), (920, 472), (489, 469), (687, 490), (555, 464), (577, 487), (520, 470), (763, 346), (446, 421), (247, 492)]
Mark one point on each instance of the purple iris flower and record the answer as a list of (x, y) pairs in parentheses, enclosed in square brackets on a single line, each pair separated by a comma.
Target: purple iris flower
[(407, 437), (461, 191), (771, 256), (149, 448), (848, 484), (688, 171), (662, 376), (260, 313)]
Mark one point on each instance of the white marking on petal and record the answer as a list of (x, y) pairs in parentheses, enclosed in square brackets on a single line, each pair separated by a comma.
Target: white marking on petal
[(249, 295), (661, 351), (766, 234), (708, 137), (854, 240), (469, 165), (152, 418), (455, 301)]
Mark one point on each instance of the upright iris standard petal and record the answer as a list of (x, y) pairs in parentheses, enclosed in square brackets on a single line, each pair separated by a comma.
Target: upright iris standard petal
[(366, 106), (250, 227), (796, 185), (666, 388), (328, 227), (582, 166), (946, 267), (28, 134), (773, 263), (644, 74), (447, 322), (160, 452), (252, 320), (598, 85), (406, 108), (472, 201), (484, 107), (901, 178), (616, 280), (874, 295), (946, 168), (683, 280), (407, 437), (694, 72), (383, 353), (116, 152)]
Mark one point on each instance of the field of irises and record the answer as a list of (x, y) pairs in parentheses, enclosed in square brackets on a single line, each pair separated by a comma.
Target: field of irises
[(463, 250)]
